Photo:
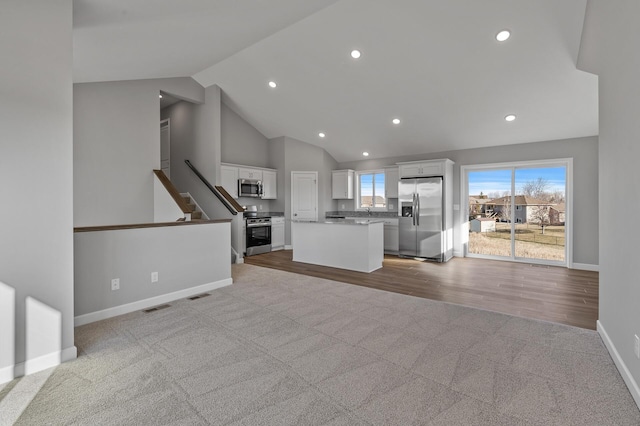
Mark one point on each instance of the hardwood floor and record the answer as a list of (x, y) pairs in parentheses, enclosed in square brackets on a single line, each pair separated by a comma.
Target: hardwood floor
[(550, 293)]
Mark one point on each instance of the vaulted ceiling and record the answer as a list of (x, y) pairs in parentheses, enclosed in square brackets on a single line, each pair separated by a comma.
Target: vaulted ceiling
[(433, 64)]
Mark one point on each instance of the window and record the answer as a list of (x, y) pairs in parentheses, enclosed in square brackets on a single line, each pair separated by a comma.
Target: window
[(526, 232), (371, 190)]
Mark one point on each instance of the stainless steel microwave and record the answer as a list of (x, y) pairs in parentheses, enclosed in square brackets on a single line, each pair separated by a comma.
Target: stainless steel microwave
[(249, 188)]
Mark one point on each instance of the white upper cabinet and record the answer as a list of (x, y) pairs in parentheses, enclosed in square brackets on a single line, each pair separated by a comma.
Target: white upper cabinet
[(230, 173), (269, 185), (391, 177), (423, 168), (342, 184), (229, 177), (254, 174)]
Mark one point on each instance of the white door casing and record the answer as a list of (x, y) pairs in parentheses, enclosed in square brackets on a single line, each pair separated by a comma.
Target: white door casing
[(559, 162), (165, 147), (304, 196)]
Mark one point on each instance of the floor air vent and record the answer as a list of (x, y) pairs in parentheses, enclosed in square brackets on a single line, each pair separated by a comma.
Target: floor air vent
[(156, 308), (199, 296)]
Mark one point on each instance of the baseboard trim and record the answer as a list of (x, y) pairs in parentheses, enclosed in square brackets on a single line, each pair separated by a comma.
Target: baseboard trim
[(586, 267), (622, 367), (147, 303), (40, 363), (288, 247), (7, 374), (458, 254)]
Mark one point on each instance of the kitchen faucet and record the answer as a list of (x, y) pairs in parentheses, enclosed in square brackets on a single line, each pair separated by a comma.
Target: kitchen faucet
[(369, 211)]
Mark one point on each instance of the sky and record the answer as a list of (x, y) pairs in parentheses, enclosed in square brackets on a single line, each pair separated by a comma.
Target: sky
[(366, 186), (488, 181)]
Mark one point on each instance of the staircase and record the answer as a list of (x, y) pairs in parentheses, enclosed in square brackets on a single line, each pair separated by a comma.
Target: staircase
[(196, 212)]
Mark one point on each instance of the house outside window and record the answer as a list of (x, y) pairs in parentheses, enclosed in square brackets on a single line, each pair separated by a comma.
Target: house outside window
[(370, 190)]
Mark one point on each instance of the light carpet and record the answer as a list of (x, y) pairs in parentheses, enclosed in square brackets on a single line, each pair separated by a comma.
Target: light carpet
[(277, 348)]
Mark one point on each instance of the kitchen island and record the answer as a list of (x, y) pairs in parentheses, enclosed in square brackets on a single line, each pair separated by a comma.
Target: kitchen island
[(354, 244)]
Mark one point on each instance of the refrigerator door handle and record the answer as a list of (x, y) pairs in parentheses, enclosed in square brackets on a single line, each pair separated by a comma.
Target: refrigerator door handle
[(418, 210), (413, 209)]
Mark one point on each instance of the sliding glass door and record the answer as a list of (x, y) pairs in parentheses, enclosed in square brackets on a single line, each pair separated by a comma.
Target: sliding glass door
[(518, 211), (541, 213), (489, 212)]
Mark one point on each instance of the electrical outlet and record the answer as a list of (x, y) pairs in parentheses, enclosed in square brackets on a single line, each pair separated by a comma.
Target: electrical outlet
[(342, 206), (637, 347), (390, 206), (154, 277), (260, 206), (115, 284)]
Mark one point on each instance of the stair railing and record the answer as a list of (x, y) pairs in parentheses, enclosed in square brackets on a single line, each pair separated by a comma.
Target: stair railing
[(222, 195), (173, 191)]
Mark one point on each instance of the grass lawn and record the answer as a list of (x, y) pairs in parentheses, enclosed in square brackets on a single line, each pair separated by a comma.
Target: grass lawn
[(530, 242)]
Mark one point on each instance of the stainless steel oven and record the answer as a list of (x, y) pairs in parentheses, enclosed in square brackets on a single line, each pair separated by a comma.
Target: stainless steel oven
[(258, 235)]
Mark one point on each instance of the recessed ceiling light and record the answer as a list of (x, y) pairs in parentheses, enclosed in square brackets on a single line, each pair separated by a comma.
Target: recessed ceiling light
[(355, 54), (322, 135), (396, 121), (503, 35), (366, 154), (272, 84), (160, 96), (510, 117)]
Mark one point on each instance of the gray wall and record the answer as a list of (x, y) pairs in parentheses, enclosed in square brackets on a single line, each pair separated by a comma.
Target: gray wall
[(197, 138), (36, 163), (610, 49), (277, 161), (288, 154), (117, 145), (241, 142), (584, 152), (182, 135), (184, 256)]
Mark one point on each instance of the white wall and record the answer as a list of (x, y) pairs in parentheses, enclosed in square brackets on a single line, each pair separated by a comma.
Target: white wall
[(584, 152), (36, 163), (117, 145), (186, 258), (610, 48)]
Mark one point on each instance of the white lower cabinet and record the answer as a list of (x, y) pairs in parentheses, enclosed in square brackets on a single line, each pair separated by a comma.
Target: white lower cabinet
[(391, 236), (277, 233)]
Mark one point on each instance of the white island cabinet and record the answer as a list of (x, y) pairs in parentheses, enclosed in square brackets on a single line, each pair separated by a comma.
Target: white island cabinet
[(357, 245)]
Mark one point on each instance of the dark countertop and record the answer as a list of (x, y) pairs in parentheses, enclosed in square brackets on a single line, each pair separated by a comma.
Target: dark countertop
[(363, 221), (260, 214), (360, 213)]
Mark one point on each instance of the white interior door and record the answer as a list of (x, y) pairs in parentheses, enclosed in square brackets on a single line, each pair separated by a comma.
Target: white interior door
[(165, 147), (304, 196)]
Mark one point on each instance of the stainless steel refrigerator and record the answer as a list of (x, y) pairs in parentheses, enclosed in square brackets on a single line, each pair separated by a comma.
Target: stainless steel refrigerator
[(421, 218)]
